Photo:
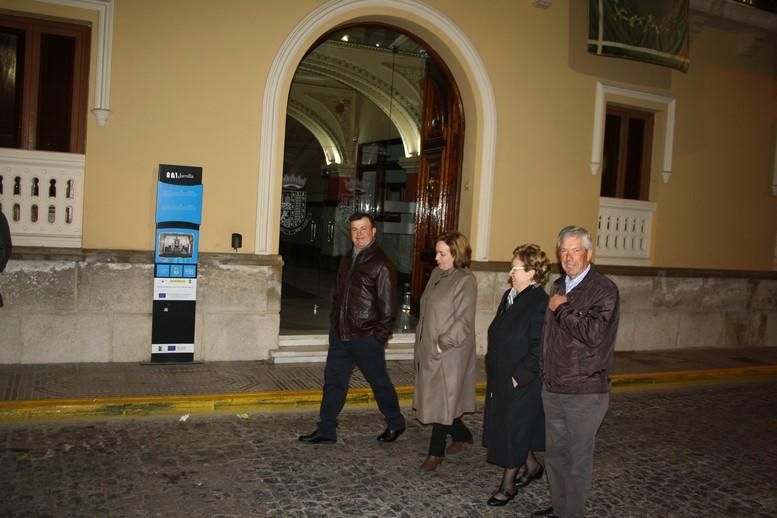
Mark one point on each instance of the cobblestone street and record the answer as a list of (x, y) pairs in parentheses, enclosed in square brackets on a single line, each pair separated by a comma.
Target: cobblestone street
[(690, 451)]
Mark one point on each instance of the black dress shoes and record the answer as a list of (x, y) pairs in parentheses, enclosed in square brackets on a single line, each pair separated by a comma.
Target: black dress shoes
[(499, 502), (546, 513), (524, 480), (390, 435), (315, 438)]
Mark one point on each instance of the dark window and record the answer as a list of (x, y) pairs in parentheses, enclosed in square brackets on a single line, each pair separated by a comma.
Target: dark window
[(43, 85), (628, 138)]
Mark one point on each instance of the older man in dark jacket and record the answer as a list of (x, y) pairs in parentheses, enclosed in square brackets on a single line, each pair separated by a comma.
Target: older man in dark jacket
[(364, 309), (577, 351)]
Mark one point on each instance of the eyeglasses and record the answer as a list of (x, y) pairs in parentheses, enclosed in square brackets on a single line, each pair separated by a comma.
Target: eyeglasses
[(514, 268)]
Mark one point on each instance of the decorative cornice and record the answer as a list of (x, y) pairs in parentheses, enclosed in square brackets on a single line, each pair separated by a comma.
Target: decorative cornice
[(752, 24), (738, 13), (657, 272)]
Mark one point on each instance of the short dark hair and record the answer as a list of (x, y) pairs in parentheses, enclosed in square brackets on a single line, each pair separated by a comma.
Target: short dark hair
[(459, 247), (356, 216)]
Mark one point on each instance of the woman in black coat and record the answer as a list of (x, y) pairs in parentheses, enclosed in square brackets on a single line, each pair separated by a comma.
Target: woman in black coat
[(513, 419)]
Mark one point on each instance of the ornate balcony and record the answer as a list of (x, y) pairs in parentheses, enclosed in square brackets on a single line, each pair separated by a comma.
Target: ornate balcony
[(41, 195), (623, 232)]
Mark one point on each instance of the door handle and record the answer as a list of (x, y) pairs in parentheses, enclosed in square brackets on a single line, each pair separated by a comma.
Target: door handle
[(313, 231), (330, 231)]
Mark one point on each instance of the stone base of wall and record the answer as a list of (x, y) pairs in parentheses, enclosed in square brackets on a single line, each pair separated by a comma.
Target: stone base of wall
[(668, 308), (95, 306)]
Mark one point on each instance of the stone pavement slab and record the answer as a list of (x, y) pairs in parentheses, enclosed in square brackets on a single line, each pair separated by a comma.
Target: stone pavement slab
[(114, 389)]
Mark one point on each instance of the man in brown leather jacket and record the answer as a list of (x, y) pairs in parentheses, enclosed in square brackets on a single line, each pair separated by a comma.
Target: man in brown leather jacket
[(577, 351), (364, 309)]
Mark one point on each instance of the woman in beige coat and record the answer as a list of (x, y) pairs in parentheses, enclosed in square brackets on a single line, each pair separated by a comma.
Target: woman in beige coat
[(445, 348)]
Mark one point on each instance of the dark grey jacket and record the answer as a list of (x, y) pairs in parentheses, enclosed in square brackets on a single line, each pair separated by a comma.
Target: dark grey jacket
[(579, 337)]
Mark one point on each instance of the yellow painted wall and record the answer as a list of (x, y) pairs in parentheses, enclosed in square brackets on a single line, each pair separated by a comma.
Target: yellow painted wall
[(545, 113), (188, 78), (717, 211)]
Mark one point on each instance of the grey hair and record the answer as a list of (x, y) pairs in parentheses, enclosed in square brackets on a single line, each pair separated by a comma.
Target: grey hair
[(575, 231)]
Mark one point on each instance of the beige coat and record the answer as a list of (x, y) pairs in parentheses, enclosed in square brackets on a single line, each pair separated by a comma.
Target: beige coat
[(445, 382)]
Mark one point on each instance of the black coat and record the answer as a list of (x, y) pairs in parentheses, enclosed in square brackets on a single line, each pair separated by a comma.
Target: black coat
[(513, 419), (5, 242)]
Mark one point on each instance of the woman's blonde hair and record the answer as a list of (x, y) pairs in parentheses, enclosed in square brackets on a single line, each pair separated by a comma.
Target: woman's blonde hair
[(535, 259)]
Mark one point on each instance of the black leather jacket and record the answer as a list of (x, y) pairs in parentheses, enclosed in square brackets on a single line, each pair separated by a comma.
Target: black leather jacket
[(365, 299)]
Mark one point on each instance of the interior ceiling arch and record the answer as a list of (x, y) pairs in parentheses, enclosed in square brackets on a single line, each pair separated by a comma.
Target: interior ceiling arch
[(388, 77)]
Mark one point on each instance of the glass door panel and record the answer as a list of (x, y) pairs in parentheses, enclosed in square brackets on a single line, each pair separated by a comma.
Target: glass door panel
[(346, 149)]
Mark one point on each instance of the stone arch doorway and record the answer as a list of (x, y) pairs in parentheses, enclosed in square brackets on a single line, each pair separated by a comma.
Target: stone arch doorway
[(464, 63), (374, 124)]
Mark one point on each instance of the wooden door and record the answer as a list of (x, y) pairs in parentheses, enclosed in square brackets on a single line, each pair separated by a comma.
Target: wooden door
[(439, 170)]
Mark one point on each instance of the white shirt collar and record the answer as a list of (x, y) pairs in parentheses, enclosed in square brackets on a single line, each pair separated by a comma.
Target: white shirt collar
[(572, 283)]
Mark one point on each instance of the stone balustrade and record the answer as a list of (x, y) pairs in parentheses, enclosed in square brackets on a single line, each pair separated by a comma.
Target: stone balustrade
[(623, 231), (41, 195)]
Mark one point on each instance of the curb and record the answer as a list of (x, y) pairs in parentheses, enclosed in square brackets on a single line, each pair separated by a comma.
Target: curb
[(275, 401)]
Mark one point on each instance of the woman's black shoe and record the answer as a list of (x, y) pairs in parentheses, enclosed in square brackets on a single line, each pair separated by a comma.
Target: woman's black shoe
[(496, 502), (524, 480)]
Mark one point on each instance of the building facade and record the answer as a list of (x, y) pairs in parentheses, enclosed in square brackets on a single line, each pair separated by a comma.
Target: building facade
[(692, 242)]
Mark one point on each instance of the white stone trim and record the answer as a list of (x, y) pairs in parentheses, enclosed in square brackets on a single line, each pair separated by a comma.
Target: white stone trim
[(277, 88), (102, 87), (600, 113)]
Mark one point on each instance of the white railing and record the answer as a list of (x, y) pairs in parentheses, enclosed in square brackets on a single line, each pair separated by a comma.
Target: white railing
[(41, 195), (623, 232)]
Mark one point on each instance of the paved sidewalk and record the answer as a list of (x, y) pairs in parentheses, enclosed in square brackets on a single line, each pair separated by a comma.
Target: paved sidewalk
[(51, 391)]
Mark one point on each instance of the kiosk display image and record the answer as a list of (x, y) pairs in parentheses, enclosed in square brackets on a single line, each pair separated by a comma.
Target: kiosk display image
[(174, 244)]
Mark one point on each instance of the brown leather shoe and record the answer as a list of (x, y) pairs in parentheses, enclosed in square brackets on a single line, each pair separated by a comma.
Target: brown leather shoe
[(457, 446), (431, 463)]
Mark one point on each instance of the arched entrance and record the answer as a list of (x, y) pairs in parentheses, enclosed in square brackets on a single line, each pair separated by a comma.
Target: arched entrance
[(454, 47), (374, 124)]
